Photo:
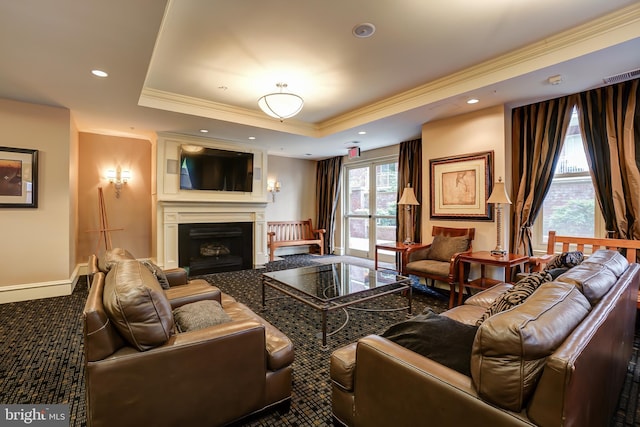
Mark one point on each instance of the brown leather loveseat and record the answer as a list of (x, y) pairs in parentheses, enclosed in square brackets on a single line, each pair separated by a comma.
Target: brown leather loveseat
[(140, 370), (557, 359)]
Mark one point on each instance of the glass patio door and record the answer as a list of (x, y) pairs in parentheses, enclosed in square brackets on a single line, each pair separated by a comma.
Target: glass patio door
[(370, 206)]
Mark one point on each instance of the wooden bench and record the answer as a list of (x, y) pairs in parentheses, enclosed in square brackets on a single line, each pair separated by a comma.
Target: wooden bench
[(293, 233), (586, 245)]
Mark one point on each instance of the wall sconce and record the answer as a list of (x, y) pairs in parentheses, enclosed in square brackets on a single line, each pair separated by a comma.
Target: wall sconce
[(118, 177), (273, 187)]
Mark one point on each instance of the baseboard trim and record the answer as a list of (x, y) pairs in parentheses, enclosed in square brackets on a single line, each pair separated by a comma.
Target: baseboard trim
[(39, 290)]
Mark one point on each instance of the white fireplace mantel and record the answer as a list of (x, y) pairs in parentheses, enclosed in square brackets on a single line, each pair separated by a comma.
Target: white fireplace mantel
[(172, 213), (175, 206)]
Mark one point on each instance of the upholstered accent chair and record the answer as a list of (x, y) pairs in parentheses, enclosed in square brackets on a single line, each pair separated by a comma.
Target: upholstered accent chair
[(439, 260)]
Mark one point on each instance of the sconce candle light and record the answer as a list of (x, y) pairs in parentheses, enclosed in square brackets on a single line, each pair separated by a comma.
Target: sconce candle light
[(118, 177), (273, 187)]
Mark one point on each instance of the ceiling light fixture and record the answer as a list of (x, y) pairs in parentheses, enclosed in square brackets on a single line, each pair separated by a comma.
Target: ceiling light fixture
[(472, 101), (99, 73), (281, 105)]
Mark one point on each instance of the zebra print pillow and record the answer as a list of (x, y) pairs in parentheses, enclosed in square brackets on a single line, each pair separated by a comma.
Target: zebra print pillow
[(565, 260), (516, 295)]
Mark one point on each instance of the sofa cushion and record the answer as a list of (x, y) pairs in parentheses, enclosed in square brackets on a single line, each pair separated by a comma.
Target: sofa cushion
[(614, 261), (439, 338), (516, 294), (136, 304), (593, 280), (112, 256), (444, 247), (199, 315), (158, 272), (510, 347)]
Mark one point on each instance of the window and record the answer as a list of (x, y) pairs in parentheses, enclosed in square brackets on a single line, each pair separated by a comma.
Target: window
[(570, 207)]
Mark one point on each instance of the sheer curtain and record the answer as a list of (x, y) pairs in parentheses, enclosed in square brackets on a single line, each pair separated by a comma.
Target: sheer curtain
[(328, 178), (538, 133), (610, 124), (410, 172)]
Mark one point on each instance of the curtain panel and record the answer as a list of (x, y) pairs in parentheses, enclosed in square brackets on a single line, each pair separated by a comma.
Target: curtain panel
[(410, 173), (610, 125), (538, 134), (328, 179)]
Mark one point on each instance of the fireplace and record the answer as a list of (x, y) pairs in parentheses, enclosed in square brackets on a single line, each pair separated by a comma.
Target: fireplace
[(215, 247)]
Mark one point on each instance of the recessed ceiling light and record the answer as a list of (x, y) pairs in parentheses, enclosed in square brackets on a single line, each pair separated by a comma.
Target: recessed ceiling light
[(362, 31), (204, 131), (99, 73), (472, 101), (252, 137), (362, 132)]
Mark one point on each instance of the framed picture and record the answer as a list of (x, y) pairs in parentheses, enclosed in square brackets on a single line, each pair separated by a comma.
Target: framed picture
[(460, 187), (18, 178)]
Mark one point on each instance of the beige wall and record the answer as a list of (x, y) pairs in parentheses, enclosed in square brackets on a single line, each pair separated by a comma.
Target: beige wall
[(132, 211), (297, 197), (483, 130), (36, 246)]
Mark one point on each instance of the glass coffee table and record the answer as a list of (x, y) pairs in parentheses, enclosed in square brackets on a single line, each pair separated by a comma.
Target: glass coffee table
[(328, 287)]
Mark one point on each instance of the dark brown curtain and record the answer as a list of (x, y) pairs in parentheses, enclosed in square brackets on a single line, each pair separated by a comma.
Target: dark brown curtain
[(328, 178), (410, 172), (538, 134), (610, 124)]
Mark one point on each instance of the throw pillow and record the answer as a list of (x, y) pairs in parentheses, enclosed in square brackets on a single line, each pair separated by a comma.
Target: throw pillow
[(565, 260), (158, 273), (444, 247), (199, 315), (439, 338), (516, 295)]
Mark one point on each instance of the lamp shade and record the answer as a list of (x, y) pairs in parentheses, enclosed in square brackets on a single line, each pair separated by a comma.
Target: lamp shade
[(499, 193), (281, 105), (408, 197)]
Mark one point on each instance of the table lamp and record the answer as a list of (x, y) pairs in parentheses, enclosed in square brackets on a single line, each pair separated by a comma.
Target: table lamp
[(408, 199), (499, 197)]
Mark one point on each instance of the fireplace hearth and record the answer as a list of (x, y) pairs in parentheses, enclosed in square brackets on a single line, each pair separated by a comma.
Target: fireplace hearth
[(213, 248)]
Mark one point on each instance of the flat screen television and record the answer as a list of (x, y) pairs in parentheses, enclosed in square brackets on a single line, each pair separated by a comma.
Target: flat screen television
[(204, 168)]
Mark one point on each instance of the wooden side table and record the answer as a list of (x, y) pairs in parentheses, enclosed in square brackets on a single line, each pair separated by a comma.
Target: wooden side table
[(484, 258), (397, 247)]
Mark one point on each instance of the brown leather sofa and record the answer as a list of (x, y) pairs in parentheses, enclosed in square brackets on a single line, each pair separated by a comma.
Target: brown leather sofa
[(558, 359), (140, 371)]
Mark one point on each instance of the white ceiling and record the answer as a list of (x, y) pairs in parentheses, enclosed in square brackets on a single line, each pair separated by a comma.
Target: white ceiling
[(185, 65)]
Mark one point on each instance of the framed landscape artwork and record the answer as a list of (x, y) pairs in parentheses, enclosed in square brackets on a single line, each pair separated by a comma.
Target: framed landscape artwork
[(460, 187), (18, 178)]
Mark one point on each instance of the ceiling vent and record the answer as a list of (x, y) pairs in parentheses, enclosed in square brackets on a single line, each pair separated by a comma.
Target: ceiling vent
[(622, 76)]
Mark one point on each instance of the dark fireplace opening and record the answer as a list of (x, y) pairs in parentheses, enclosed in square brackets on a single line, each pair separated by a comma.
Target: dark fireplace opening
[(214, 248)]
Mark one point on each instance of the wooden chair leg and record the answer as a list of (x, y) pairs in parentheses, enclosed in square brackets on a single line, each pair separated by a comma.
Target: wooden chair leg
[(452, 294)]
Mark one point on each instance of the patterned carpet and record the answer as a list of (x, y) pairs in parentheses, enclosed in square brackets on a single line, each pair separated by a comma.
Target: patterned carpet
[(41, 347)]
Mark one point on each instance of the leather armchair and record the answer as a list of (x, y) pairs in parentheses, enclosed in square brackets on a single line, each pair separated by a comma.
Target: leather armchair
[(211, 376)]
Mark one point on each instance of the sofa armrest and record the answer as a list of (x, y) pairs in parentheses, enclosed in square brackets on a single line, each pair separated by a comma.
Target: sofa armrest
[(206, 365), (193, 292), (176, 276), (426, 389)]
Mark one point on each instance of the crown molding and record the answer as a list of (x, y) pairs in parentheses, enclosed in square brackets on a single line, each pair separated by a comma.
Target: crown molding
[(609, 30), (615, 28), (169, 101)]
